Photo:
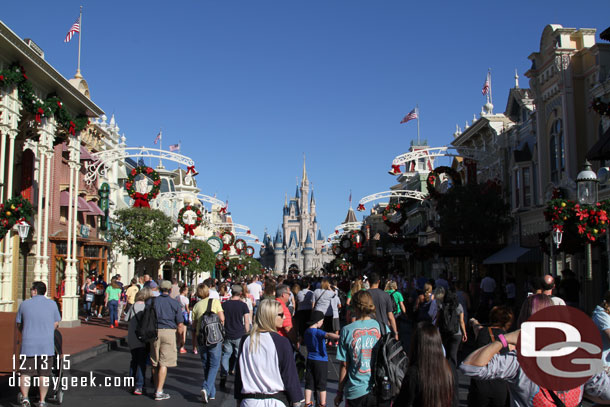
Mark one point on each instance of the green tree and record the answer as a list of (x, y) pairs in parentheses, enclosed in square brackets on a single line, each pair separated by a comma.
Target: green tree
[(249, 265), (206, 256), (141, 234)]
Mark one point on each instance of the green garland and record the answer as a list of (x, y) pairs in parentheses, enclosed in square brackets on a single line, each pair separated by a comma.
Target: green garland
[(434, 174), (12, 211), (590, 221), (394, 227), (52, 106), (141, 200), (601, 107)]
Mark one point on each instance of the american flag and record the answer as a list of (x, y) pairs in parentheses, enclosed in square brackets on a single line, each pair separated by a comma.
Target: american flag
[(413, 114), (486, 86), (158, 138), (73, 30), (174, 147)]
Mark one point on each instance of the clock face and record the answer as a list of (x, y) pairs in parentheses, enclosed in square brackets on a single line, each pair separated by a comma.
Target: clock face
[(346, 243), (215, 243)]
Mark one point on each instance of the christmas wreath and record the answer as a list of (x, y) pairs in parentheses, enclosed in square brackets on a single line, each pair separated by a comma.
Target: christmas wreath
[(221, 262), (13, 211), (240, 244), (190, 228), (600, 107), (433, 176), (227, 243), (250, 251), (390, 212), (358, 238), (589, 221), (336, 250), (141, 200)]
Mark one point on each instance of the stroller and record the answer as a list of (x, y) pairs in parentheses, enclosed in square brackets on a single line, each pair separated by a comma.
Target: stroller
[(56, 393)]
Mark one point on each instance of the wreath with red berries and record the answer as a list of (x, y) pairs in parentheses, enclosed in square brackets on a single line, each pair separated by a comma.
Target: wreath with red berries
[(190, 228), (240, 244), (433, 176), (250, 251), (225, 245), (357, 243), (141, 200), (401, 210)]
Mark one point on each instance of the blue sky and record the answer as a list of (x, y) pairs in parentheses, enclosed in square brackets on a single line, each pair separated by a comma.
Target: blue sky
[(248, 87)]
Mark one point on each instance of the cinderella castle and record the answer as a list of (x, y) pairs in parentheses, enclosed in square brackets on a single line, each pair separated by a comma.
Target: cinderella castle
[(298, 244)]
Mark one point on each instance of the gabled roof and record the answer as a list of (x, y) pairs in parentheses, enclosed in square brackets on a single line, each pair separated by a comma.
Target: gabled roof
[(294, 203), (293, 238), (351, 216), (518, 99)]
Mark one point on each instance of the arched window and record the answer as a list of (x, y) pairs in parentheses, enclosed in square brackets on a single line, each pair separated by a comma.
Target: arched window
[(556, 150)]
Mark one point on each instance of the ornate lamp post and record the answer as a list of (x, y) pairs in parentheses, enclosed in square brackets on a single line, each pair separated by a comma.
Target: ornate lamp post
[(586, 193)]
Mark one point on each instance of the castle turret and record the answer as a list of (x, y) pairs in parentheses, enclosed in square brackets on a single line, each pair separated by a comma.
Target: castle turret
[(308, 253), (279, 252)]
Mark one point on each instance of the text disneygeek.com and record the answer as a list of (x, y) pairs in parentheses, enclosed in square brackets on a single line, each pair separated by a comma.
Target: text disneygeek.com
[(65, 382)]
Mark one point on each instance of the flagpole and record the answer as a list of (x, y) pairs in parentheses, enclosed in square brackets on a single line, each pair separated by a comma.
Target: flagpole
[(80, 36), (417, 108), (490, 97), (160, 146)]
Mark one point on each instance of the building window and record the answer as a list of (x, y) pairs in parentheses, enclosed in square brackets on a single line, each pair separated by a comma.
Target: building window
[(517, 179), (556, 151), (527, 187)]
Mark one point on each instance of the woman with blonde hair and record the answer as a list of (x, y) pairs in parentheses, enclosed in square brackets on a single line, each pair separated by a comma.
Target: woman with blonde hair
[(266, 374), (355, 350), (392, 288), (210, 355)]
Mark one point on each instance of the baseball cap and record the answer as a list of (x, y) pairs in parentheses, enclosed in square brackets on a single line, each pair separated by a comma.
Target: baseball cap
[(151, 284), (166, 285), (236, 289)]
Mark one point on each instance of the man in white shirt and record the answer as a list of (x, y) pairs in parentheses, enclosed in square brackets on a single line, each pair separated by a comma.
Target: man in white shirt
[(548, 284), (255, 289), (488, 287), (211, 284)]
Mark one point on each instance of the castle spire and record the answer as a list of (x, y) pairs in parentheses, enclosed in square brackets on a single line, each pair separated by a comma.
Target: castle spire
[(286, 200), (304, 170)]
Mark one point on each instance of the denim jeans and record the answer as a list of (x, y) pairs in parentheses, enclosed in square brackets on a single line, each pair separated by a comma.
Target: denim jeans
[(137, 367), (229, 347), (113, 309), (87, 306), (210, 360)]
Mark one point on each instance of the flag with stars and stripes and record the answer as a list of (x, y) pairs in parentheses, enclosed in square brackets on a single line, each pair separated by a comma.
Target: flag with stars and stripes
[(410, 116), (174, 147), (486, 86), (73, 30)]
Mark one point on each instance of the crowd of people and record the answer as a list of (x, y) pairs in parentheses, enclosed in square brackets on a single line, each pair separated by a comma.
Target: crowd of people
[(274, 333)]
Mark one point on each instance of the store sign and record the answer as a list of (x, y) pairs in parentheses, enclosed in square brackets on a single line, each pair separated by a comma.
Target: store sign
[(84, 231)]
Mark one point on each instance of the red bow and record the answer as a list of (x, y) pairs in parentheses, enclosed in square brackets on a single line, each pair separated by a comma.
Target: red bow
[(226, 247), (357, 245), (39, 114), (223, 210), (238, 251), (71, 130), (189, 228), (141, 200), (248, 232), (360, 207), (395, 170), (191, 169)]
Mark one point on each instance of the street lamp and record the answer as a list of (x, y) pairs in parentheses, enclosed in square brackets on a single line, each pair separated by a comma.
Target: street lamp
[(23, 228), (586, 192)]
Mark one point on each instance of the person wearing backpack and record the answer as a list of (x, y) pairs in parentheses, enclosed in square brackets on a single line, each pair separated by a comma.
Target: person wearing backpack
[(139, 349), (207, 316), (355, 350), (430, 379), (398, 307), (450, 322), (163, 352)]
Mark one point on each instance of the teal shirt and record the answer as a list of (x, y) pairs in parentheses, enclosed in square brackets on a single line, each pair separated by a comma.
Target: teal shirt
[(355, 347), (113, 293), (398, 298)]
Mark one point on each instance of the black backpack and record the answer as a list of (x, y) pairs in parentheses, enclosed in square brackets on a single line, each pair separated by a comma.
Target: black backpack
[(146, 327), (211, 330), (390, 363), (449, 321), (394, 306)]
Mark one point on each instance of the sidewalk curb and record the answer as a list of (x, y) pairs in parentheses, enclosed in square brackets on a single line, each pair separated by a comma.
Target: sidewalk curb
[(97, 350)]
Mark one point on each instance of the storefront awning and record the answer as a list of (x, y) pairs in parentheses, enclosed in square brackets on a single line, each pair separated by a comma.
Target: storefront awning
[(95, 209), (64, 199), (514, 254)]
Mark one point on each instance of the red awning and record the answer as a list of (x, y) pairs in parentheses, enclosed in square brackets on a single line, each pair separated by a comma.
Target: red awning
[(64, 198), (95, 209)]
